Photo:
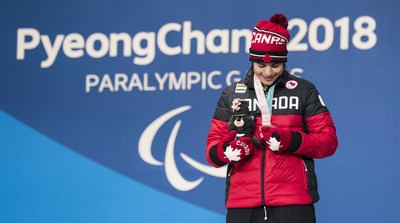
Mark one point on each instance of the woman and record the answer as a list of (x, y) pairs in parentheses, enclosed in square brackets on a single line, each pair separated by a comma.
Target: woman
[(271, 174)]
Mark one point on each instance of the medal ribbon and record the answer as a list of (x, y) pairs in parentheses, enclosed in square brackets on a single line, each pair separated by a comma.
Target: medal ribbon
[(264, 101)]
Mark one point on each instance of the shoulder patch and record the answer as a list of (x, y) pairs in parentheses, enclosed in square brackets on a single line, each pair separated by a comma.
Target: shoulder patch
[(240, 88), (291, 84)]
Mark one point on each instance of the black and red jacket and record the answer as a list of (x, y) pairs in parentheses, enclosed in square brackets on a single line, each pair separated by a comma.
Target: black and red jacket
[(269, 178)]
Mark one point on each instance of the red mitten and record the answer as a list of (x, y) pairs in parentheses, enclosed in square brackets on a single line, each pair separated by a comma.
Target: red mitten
[(280, 139), (236, 149)]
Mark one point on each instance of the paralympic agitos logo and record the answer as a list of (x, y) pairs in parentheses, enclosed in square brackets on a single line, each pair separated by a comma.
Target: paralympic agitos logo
[(172, 172)]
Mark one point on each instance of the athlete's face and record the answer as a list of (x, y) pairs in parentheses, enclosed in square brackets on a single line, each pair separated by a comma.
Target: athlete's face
[(268, 73)]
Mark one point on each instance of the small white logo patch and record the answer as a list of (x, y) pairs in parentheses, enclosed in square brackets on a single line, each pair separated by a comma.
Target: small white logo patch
[(274, 144), (292, 84), (240, 88), (232, 154)]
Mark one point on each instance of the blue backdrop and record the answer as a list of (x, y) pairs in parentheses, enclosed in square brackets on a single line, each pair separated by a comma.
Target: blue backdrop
[(105, 106)]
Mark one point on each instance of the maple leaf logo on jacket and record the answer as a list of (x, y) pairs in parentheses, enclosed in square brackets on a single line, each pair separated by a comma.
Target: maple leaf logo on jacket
[(273, 144), (232, 154)]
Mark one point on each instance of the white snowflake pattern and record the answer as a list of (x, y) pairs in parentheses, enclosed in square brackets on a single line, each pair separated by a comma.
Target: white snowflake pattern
[(232, 154)]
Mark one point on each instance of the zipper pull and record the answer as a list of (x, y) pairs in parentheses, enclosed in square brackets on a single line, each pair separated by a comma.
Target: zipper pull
[(265, 213)]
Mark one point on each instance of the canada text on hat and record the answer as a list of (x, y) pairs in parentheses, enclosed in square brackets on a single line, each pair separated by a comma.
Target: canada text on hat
[(269, 40)]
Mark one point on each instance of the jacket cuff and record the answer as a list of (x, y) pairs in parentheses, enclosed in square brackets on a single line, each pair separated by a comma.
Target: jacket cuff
[(213, 154), (296, 141)]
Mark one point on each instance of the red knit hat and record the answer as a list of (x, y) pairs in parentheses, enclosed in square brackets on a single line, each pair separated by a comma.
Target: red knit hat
[(268, 43)]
